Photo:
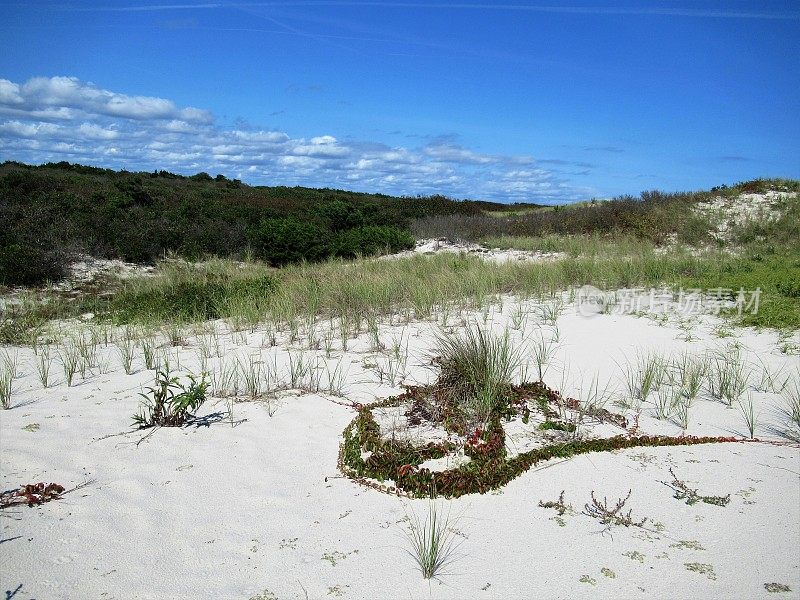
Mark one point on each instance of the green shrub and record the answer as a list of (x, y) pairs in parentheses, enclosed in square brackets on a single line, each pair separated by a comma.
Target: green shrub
[(282, 241), (30, 252), (23, 264), (370, 240), (341, 215)]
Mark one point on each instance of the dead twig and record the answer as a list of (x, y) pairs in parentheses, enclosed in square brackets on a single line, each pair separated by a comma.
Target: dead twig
[(684, 492), (612, 515)]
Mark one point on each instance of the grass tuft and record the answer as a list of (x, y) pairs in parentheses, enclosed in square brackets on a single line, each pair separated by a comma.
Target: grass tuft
[(432, 541), (476, 370)]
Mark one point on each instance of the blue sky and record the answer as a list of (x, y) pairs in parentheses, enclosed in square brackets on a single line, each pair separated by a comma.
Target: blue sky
[(514, 102)]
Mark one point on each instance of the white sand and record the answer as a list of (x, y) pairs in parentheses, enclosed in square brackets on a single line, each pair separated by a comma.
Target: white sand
[(497, 255), (260, 508), (726, 213)]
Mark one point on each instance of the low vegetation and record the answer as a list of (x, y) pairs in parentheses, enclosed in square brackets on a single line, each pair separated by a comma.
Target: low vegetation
[(654, 217), (32, 494), (169, 403), (432, 540), (691, 495), (472, 361), (54, 212)]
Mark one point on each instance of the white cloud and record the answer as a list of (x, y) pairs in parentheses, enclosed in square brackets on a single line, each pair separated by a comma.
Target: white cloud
[(41, 93), (9, 93), (28, 130), (64, 118), (95, 132), (457, 154)]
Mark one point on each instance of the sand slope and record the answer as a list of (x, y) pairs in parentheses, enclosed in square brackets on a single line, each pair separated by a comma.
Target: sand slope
[(259, 509)]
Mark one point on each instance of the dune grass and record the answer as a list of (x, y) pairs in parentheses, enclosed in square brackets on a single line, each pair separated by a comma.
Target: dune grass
[(476, 370), (433, 543), (8, 371), (590, 244), (250, 293)]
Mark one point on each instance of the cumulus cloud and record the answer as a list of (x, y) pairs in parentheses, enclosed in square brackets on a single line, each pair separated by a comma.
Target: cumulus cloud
[(64, 118), (40, 94)]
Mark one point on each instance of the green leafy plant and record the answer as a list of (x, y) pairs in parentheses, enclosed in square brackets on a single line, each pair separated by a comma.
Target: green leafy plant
[(489, 468), (169, 403)]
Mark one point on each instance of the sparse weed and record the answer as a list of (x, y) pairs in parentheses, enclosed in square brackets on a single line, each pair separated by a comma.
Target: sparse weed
[(728, 376), (644, 377), (518, 317), (172, 331), (252, 372), (7, 370), (125, 350), (549, 312), (690, 371), (770, 380), (43, 363), (749, 415), (680, 410), (789, 410), (225, 379), (149, 346), (592, 396), (337, 379), (70, 358), (665, 399), (299, 367), (543, 351)]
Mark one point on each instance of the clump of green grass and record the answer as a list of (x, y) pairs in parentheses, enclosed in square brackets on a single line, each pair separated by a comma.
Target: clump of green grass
[(476, 370), (729, 376), (689, 373), (43, 363), (125, 349), (149, 347), (592, 244), (749, 415), (70, 356), (432, 541), (666, 399), (645, 376), (7, 374), (789, 410), (187, 292)]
